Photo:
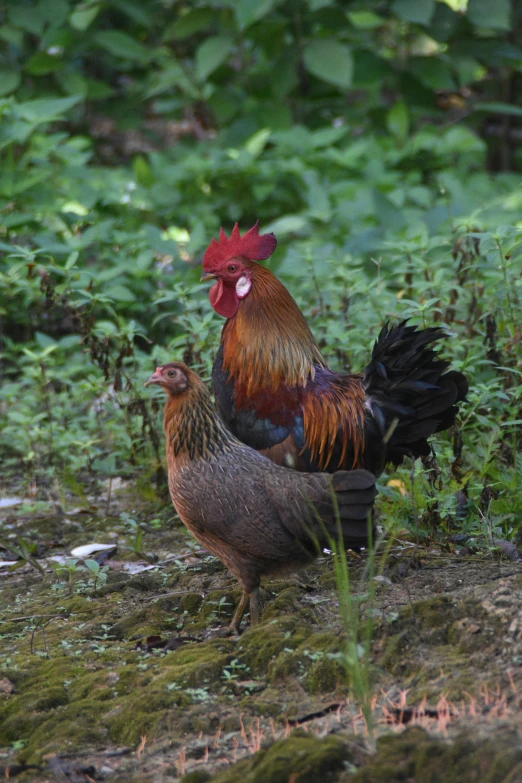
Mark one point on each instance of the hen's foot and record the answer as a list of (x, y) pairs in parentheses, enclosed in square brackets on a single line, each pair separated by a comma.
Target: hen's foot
[(233, 628), (255, 607)]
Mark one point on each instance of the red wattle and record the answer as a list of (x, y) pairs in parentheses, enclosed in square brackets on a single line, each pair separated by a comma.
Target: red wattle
[(223, 299)]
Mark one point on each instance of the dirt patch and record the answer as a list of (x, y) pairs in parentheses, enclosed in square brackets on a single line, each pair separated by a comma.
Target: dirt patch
[(126, 682)]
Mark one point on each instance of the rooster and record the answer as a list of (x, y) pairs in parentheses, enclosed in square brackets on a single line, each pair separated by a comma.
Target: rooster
[(256, 517), (276, 393)]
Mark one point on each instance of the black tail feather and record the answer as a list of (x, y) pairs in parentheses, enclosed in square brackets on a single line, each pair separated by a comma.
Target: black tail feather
[(409, 386), (352, 481), (355, 494)]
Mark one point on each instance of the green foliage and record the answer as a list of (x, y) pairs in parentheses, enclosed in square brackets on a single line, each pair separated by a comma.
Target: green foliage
[(24, 551), (358, 629), (98, 573), (68, 570), (364, 135)]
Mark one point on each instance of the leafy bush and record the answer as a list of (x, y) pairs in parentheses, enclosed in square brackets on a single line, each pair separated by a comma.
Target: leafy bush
[(367, 136)]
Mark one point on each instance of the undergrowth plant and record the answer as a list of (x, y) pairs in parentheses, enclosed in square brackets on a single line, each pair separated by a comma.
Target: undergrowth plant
[(384, 158), (357, 612), (357, 626)]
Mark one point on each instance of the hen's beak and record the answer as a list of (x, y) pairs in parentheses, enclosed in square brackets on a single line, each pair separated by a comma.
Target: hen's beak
[(207, 276), (156, 377)]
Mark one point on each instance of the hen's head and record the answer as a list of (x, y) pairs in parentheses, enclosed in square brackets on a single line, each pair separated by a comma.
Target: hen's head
[(173, 377), (228, 262)]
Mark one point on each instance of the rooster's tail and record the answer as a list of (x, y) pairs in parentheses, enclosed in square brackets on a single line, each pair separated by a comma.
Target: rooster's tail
[(409, 392), (350, 515)]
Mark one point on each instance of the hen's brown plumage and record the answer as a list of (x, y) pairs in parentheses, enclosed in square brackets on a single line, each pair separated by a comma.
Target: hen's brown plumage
[(256, 517)]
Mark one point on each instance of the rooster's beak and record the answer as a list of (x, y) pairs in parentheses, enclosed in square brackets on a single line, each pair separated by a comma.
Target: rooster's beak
[(154, 378), (207, 276)]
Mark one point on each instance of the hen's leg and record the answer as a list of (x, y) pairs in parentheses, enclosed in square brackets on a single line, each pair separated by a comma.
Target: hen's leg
[(255, 607), (240, 611)]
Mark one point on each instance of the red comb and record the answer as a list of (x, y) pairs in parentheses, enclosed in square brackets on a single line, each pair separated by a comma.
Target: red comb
[(251, 245)]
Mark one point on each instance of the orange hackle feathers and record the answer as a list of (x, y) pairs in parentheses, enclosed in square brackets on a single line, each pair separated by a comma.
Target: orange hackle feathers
[(270, 352), (252, 245), (331, 411), (268, 343)]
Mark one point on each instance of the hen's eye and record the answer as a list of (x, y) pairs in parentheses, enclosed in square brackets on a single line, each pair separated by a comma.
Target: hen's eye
[(170, 373), (232, 268)]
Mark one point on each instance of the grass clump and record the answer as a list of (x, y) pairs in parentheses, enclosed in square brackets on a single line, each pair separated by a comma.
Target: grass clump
[(306, 758)]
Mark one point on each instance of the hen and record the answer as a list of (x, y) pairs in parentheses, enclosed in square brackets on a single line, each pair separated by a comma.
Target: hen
[(275, 391), (256, 517)]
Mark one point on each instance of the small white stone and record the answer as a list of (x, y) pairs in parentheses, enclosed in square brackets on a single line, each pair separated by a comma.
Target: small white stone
[(8, 502), (89, 549)]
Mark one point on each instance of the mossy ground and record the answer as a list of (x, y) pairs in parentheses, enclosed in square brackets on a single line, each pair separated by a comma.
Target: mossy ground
[(79, 685)]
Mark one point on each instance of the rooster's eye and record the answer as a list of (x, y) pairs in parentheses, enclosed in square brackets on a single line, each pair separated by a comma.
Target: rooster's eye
[(232, 268)]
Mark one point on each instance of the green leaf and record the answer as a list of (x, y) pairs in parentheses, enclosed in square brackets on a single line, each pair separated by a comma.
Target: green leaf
[(256, 143), (84, 15), (18, 417), (485, 13), (398, 121), (416, 11), (468, 70), (54, 12), (122, 45), (456, 5), (365, 20), (287, 78), (278, 116), (27, 17), (93, 566), (98, 90), (289, 224), (499, 108), (137, 11), (12, 35), (42, 63), (316, 5), (369, 69), (120, 293), (46, 109), (211, 54), (326, 137), (317, 196), (330, 61), (188, 24), (71, 261), (433, 73), (72, 82), (460, 139), (143, 172), (443, 22), (172, 76), (224, 105), (106, 327), (14, 187), (9, 80), (44, 341), (250, 11)]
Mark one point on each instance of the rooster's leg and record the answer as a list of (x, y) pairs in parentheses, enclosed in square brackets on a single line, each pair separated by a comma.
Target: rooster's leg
[(240, 611), (255, 608)]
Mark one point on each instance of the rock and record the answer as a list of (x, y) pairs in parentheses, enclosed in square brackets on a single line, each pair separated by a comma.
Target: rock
[(248, 686), (6, 686)]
